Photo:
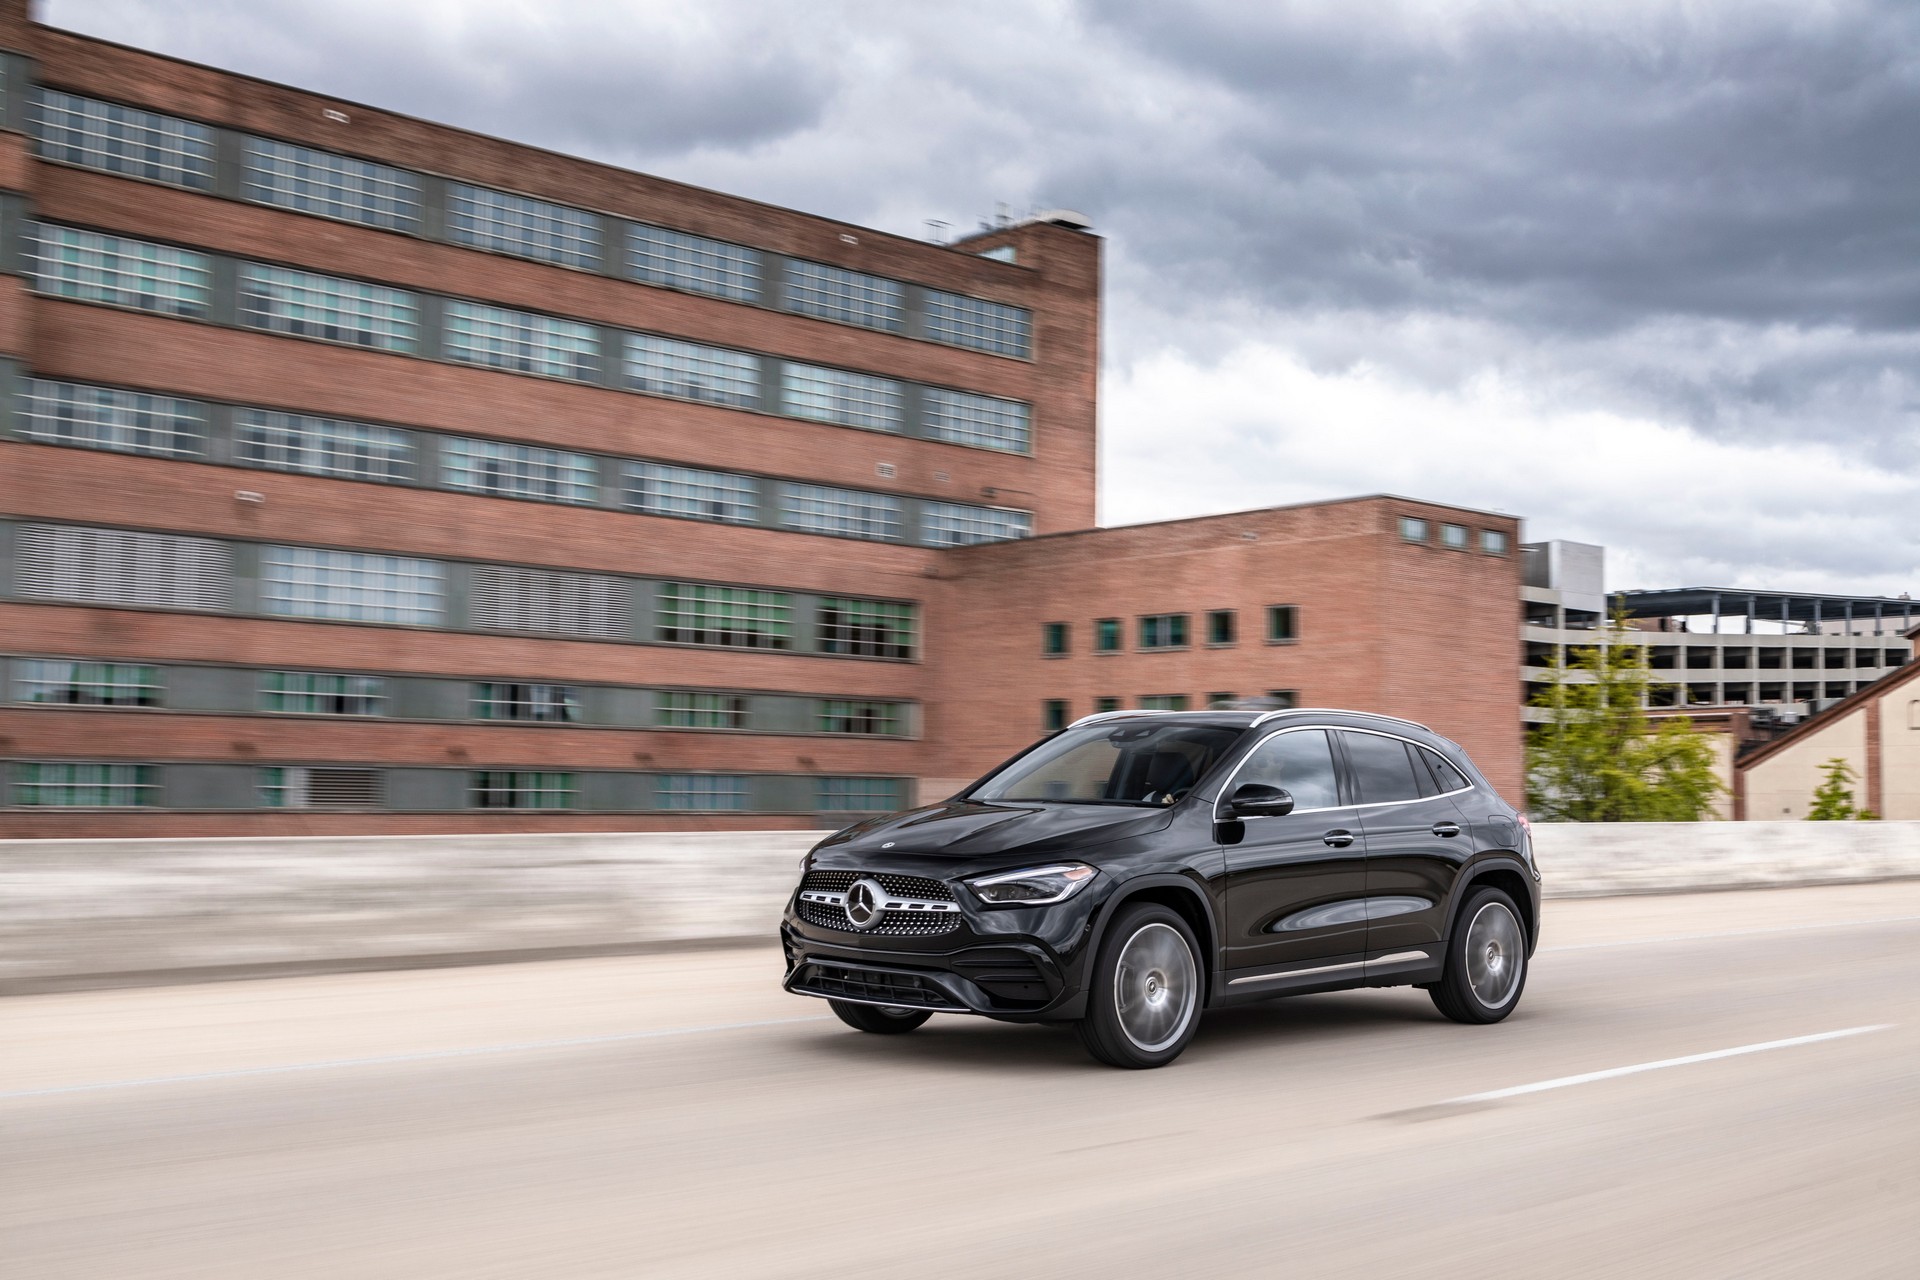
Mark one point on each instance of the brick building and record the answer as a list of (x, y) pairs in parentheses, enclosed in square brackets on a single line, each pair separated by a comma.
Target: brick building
[(364, 474)]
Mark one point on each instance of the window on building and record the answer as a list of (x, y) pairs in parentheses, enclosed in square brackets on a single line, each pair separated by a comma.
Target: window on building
[(1164, 702), (1284, 699), (89, 267), (547, 602), (693, 263), (858, 795), (331, 309), (313, 787), (1283, 623), (526, 703), (866, 628), (75, 785), (521, 789), (692, 709), (330, 185), (739, 618), (1413, 529), (91, 417), (961, 321), (351, 586), (1163, 631), (690, 371), (955, 524), (322, 446), (853, 715), (502, 470), (1493, 542), (660, 490), (1106, 704), (839, 397), (985, 422), (701, 792), (322, 693), (121, 567), (851, 297), (844, 513), (1106, 635), (1053, 714), (1220, 627), (520, 341), (1454, 536), (123, 140), (1054, 639), (1220, 698), (59, 682), (521, 226)]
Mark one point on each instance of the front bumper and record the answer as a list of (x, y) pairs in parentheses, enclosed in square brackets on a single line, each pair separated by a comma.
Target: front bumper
[(1015, 979)]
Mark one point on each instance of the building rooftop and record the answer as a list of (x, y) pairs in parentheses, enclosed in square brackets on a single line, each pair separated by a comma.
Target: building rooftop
[(1790, 606)]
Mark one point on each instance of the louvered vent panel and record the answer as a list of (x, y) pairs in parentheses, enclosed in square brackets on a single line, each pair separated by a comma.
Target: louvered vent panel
[(117, 566), (561, 604), (343, 788)]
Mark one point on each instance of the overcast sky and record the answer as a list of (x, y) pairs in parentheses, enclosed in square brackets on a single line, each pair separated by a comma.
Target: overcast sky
[(1645, 273)]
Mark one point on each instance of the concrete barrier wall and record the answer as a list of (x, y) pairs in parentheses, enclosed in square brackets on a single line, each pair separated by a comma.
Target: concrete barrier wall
[(99, 912)]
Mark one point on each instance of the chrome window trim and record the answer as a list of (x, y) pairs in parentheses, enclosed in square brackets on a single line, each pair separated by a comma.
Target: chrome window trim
[(1227, 789)]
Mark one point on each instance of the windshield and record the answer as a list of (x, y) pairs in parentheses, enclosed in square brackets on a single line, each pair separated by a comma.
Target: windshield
[(1144, 764)]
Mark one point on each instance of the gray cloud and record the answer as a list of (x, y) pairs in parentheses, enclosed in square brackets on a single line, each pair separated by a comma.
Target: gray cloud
[(1690, 219)]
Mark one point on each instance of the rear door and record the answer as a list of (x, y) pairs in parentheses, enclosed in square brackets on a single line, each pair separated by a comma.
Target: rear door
[(1417, 840)]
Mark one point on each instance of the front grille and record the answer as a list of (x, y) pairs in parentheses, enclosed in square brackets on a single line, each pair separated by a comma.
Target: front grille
[(849, 983), (895, 923), (905, 886)]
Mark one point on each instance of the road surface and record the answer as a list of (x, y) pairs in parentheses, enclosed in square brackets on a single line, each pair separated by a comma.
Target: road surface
[(676, 1115)]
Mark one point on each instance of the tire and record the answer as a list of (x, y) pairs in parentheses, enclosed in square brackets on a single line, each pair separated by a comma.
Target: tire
[(1146, 990), (1486, 961), (879, 1019)]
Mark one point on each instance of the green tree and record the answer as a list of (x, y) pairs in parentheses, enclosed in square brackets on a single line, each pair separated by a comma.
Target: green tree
[(1833, 798), (1600, 758)]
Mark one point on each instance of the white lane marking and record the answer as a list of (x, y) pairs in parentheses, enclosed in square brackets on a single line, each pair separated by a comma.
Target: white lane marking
[(382, 1060), (1732, 933), (1540, 1086)]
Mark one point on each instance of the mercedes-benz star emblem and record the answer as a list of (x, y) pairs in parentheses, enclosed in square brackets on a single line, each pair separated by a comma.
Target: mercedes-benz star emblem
[(863, 904)]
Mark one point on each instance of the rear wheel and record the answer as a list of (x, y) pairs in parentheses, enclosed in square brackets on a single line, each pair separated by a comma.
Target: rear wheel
[(880, 1019), (1486, 961), (1143, 1002)]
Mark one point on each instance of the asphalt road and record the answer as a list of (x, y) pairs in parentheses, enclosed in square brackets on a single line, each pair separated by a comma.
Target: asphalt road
[(679, 1116)]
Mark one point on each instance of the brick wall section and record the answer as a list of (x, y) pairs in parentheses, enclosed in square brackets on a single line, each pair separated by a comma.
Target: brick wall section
[(1377, 625)]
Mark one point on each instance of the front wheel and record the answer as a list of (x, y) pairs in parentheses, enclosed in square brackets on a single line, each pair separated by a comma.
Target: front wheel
[(1486, 961), (1143, 1002), (879, 1019)]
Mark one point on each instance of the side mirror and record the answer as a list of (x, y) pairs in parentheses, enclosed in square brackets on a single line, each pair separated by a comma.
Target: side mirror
[(1258, 800)]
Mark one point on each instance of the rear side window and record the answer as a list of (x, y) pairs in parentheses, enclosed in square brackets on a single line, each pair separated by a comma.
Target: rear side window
[(1382, 769), (1301, 764)]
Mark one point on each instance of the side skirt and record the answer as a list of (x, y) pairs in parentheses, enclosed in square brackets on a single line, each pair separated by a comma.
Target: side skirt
[(1406, 966)]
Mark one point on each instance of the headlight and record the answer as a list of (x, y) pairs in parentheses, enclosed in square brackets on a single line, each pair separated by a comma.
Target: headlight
[(1033, 887)]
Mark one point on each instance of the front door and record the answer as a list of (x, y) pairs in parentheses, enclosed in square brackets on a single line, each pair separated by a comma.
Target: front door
[(1295, 883)]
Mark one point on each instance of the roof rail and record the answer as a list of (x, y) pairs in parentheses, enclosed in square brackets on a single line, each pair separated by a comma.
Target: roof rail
[(1334, 711)]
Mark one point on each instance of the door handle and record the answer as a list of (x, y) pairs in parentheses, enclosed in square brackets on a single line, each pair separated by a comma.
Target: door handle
[(1446, 828), (1339, 839)]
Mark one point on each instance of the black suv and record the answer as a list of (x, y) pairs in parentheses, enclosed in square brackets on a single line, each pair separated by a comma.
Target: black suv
[(1137, 867)]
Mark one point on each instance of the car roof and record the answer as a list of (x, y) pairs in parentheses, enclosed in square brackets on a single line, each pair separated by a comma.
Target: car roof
[(1246, 719)]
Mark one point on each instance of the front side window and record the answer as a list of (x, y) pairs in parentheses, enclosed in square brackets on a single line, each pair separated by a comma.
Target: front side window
[(322, 693), (866, 628), (520, 341), (58, 682), (1382, 768), (522, 226), (63, 785), (851, 297), (1163, 631), (1106, 635), (1119, 762), (736, 617), (331, 185), (306, 305), (93, 417), (351, 586), (1300, 763), (123, 140), (521, 789), (527, 703), (842, 398), (90, 267), (322, 446)]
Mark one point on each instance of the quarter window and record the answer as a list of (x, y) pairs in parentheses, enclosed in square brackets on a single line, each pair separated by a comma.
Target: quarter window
[(106, 418), (1163, 631), (693, 263), (322, 446), (55, 682), (330, 185), (522, 226), (1382, 769), (90, 267), (1300, 764), (521, 341), (123, 140), (1445, 776), (306, 305), (851, 297)]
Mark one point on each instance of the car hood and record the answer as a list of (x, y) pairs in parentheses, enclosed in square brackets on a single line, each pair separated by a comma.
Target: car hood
[(973, 829)]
